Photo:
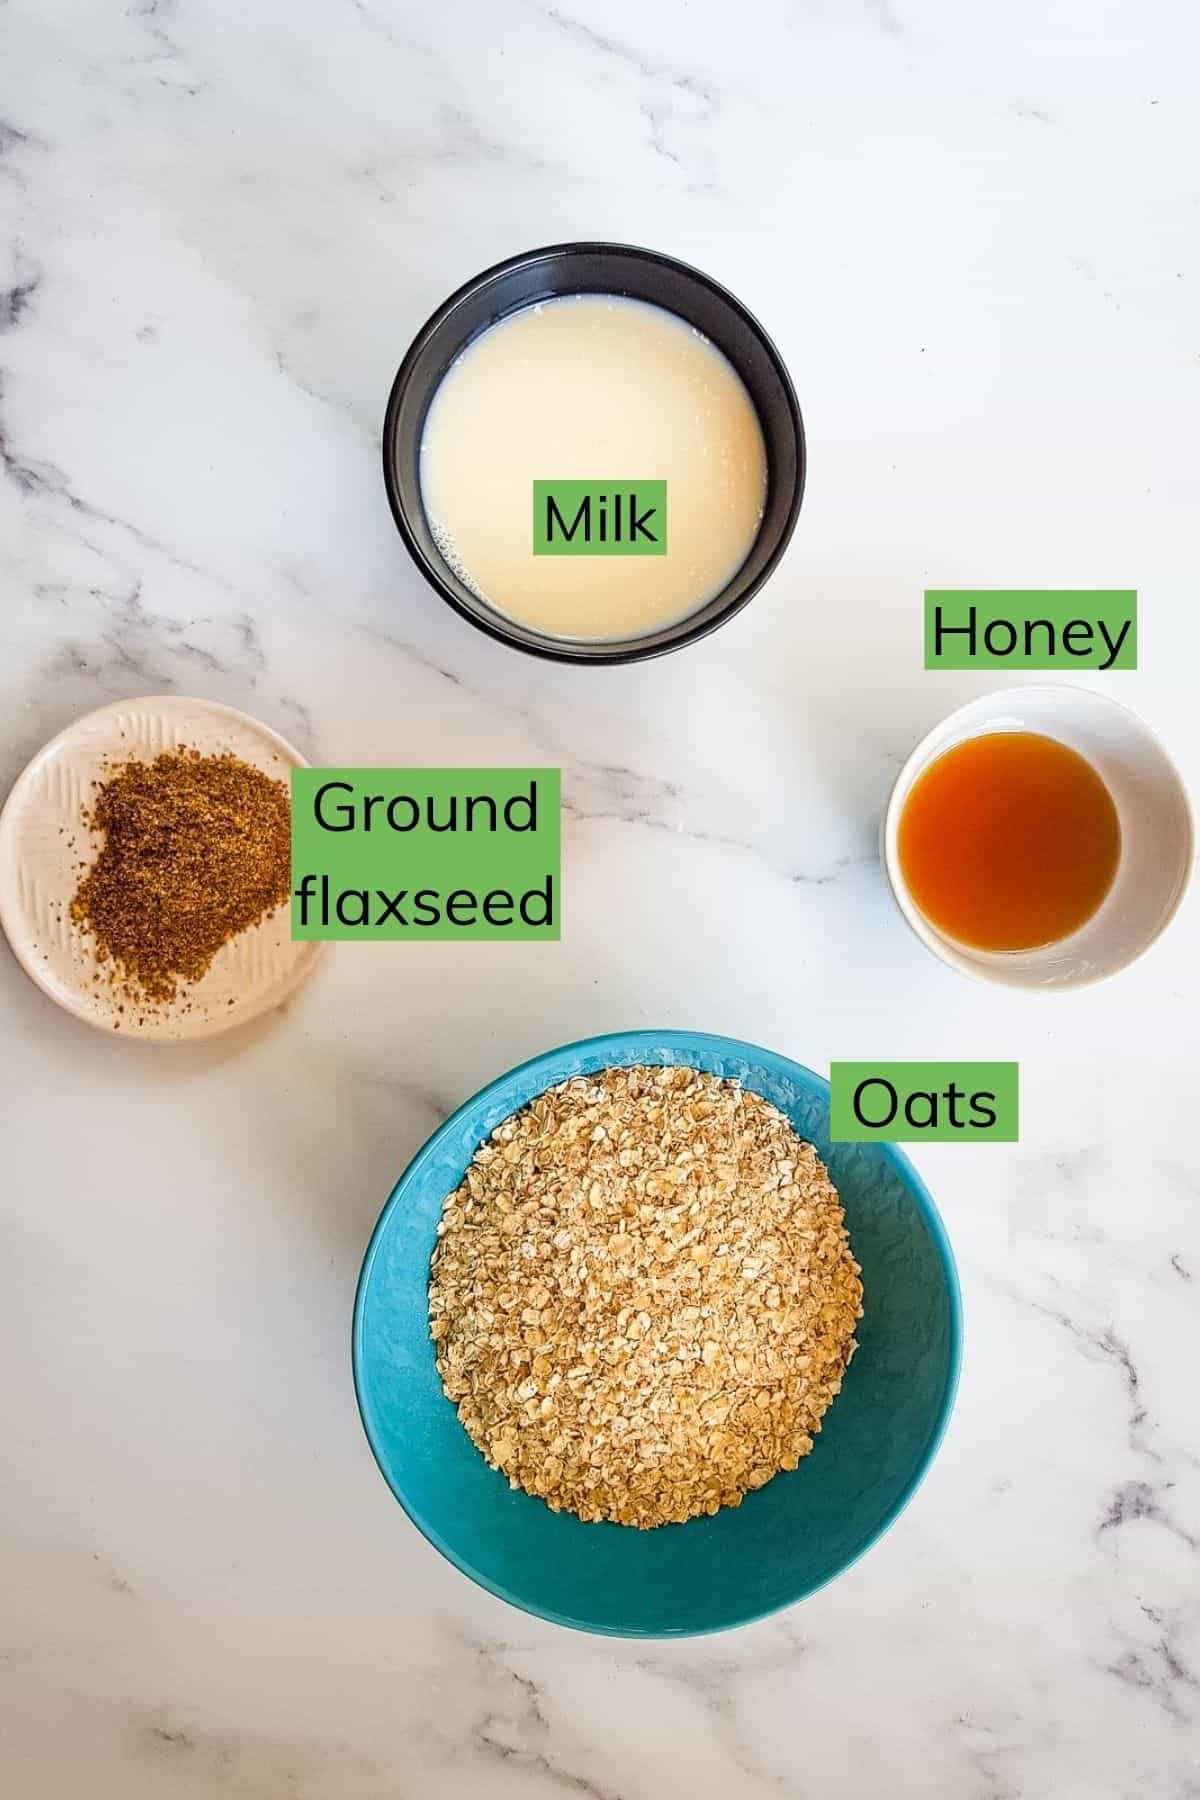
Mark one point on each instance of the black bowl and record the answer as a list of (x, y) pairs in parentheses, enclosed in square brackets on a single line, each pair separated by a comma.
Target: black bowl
[(595, 269)]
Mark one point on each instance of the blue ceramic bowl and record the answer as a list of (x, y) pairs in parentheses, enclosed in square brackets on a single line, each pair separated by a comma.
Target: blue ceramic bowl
[(784, 1541)]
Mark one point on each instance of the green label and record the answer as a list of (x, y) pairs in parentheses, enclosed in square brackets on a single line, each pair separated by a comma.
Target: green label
[(935, 1102), (599, 518), (426, 853), (1031, 628)]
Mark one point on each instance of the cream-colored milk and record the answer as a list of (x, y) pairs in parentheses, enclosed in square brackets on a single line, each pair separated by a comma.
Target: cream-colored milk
[(593, 388)]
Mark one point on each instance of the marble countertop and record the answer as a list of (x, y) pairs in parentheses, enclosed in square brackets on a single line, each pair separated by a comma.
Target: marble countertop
[(973, 233)]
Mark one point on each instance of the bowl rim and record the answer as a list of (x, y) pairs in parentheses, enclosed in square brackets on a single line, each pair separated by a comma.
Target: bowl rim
[(511, 632), (682, 1040), (889, 854)]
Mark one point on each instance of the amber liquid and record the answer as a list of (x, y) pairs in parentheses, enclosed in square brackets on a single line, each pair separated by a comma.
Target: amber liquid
[(1009, 841)]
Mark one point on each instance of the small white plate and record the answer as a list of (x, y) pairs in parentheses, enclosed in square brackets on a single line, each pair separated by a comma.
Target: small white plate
[(43, 842), (1156, 834)]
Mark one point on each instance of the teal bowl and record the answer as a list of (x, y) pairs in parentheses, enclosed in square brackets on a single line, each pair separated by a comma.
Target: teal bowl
[(784, 1541)]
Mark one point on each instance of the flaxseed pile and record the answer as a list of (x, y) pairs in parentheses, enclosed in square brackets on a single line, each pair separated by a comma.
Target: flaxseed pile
[(196, 849), (643, 1297)]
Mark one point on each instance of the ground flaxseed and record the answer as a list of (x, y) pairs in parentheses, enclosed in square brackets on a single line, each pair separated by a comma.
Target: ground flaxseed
[(196, 849), (643, 1298)]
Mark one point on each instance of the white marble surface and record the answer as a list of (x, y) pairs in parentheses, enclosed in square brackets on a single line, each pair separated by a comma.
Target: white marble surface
[(973, 232)]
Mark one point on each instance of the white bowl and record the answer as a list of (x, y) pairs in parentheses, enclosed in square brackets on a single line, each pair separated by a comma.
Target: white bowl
[(1156, 834), (44, 842)]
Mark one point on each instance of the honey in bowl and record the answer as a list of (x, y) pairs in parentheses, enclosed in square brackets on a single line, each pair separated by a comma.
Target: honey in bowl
[(1009, 841)]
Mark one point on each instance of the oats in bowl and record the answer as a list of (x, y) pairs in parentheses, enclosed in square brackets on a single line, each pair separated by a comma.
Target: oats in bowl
[(642, 1296)]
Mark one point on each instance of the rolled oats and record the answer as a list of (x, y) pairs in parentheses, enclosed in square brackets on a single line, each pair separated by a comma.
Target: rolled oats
[(642, 1296)]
